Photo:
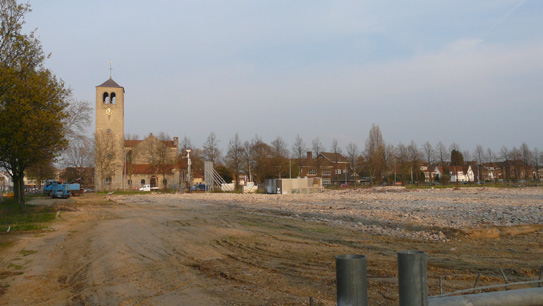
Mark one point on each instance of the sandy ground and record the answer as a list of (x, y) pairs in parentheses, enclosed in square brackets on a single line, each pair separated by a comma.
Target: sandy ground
[(229, 249)]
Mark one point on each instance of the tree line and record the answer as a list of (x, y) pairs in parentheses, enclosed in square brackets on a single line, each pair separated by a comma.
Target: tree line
[(376, 160)]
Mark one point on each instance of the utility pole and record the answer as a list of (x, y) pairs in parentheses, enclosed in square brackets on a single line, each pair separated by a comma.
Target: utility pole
[(188, 168), (290, 167)]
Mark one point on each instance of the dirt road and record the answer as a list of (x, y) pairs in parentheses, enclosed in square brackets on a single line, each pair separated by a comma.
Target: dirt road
[(155, 250)]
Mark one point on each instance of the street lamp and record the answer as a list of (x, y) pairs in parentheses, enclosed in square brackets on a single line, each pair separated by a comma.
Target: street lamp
[(188, 166)]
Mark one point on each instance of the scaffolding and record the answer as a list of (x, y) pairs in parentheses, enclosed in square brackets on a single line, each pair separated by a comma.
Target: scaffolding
[(212, 179)]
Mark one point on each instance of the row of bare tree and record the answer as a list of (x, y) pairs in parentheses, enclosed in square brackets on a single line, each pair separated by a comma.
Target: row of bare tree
[(377, 160)]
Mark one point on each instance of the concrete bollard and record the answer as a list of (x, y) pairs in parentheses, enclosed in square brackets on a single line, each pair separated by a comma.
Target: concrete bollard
[(352, 283), (412, 278)]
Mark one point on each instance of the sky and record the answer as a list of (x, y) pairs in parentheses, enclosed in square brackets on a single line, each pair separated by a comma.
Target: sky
[(464, 72)]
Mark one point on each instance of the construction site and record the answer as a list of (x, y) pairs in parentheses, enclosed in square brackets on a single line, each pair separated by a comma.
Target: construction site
[(273, 249)]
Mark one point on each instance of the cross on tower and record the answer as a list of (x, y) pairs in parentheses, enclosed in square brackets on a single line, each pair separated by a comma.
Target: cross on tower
[(110, 68)]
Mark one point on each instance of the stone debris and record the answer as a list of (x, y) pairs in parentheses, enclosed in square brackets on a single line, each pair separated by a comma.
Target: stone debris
[(428, 214)]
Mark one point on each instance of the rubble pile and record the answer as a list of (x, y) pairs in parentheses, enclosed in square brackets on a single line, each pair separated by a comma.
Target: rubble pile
[(418, 214)]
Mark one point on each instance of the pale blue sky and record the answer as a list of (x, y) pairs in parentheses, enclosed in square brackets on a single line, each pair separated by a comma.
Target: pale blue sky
[(469, 72)]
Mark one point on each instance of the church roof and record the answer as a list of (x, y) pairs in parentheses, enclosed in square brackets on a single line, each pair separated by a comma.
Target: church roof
[(133, 143), (110, 83)]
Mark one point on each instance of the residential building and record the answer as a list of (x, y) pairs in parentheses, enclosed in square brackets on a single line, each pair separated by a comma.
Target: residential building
[(333, 168), (461, 174)]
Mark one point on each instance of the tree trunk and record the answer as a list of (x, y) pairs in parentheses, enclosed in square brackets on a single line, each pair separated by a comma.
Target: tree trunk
[(18, 190)]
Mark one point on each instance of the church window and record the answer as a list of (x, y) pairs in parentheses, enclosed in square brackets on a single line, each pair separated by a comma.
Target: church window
[(112, 99), (164, 182), (104, 98), (129, 182), (108, 180), (142, 181)]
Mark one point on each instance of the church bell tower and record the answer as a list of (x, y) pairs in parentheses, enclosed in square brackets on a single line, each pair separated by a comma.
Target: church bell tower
[(109, 148)]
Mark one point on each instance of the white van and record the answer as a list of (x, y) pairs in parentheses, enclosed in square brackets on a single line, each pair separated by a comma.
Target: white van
[(145, 188)]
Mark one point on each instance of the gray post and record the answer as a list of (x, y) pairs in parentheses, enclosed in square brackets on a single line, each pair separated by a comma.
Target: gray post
[(412, 278), (352, 283)]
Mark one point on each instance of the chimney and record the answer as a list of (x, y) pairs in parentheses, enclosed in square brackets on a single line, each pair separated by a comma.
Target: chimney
[(309, 154)]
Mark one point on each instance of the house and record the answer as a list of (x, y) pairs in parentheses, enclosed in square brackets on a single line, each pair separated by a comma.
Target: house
[(490, 171), (6, 184), (461, 174), (430, 173), (331, 167)]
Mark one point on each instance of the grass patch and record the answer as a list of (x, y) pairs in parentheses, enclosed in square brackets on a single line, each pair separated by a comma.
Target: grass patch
[(14, 266), (6, 274), (28, 252), (31, 218)]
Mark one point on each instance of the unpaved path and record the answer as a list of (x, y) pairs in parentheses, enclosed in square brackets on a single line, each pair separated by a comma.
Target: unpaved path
[(203, 250)]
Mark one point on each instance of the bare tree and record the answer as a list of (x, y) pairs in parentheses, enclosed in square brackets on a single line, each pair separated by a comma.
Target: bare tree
[(505, 158), (415, 158), (429, 153), (248, 159), (317, 148), (402, 158), (159, 155), (79, 119), (490, 156), (133, 154), (79, 154), (536, 162), (280, 156), (260, 155), (526, 158), (299, 151), (186, 144), (516, 160), (106, 157), (467, 155), (375, 154), (390, 160), (479, 155), (211, 149), (234, 158), (336, 149), (352, 155), (442, 154)]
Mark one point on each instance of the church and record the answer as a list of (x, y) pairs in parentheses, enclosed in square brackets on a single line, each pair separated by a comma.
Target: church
[(126, 164)]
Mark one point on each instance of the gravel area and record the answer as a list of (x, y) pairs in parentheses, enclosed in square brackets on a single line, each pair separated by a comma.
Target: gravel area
[(428, 214)]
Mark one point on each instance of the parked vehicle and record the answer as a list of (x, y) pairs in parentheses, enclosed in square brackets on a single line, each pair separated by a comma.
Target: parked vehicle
[(198, 187), (60, 191), (52, 186), (48, 187), (145, 188)]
